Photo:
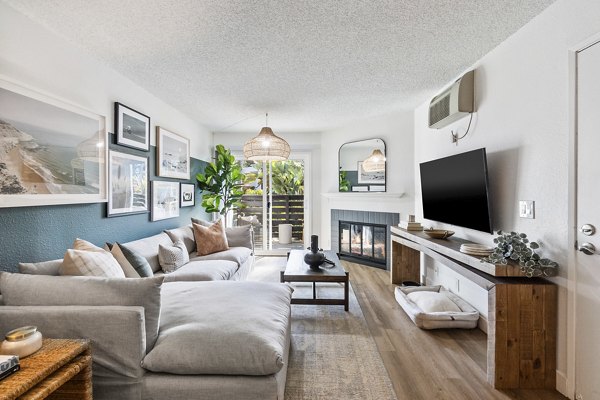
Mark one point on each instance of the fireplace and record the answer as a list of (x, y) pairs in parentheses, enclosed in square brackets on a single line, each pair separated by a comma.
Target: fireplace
[(363, 241), (362, 236)]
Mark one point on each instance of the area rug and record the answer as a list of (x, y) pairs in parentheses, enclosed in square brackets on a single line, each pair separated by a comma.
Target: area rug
[(333, 355)]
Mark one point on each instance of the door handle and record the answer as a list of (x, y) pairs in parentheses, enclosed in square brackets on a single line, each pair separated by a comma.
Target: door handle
[(587, 229), (587, 248)]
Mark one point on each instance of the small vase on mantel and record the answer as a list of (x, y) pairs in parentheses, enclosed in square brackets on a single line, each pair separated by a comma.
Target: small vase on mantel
[(315, 257)]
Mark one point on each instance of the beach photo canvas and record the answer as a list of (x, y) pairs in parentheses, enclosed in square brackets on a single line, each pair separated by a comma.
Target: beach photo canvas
[(127, 184), (173, 154), (51, 152), (132, 128), (165, 200)]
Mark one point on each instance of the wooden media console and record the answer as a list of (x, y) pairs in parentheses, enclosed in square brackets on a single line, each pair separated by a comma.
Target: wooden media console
[(522, 312)]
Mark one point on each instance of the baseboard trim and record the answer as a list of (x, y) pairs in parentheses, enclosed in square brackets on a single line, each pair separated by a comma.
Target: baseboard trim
[(561, 384), (482, 323)]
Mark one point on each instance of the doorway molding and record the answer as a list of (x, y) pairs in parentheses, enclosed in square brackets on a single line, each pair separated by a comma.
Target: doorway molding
[(566, 384)]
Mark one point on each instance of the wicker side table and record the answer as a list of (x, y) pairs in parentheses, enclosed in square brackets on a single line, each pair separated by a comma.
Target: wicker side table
[(61, 369)]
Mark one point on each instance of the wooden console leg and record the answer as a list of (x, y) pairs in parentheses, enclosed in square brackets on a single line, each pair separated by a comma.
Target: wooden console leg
[(406, 264), (346, 291)]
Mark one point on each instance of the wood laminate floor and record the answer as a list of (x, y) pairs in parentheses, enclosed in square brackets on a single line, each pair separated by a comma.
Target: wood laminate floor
[(436, 364)]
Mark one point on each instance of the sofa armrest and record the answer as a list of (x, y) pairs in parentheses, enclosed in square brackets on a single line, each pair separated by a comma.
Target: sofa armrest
[(117, 333)]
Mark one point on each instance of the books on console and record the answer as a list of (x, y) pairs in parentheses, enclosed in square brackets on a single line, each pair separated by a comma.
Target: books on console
[(410, 225), (8, 366)]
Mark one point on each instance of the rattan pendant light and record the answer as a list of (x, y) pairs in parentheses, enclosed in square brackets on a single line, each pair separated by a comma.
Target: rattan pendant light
[(266, 146), (375, 162)]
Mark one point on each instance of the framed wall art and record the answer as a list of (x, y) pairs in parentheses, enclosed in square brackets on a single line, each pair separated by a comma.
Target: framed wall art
[(375, 177), (172, 155), (51, 151), (127, 184), (132, 128), (165, 200), (188, 195)]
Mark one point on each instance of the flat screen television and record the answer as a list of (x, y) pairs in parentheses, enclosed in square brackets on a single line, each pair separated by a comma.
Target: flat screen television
[(455, 190)]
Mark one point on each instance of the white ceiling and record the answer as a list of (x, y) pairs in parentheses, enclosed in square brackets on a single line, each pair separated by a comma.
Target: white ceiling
[(313, 64)]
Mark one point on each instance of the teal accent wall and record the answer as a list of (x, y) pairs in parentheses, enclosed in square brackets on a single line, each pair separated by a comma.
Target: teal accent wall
[(32, 234)]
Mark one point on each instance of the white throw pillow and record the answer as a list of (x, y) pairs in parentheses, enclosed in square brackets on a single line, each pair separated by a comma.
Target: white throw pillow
[(171, 258), (433, 302), (85, 259)]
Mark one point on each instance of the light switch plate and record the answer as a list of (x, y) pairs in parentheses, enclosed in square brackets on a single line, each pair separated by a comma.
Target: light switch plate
[(527, 209)]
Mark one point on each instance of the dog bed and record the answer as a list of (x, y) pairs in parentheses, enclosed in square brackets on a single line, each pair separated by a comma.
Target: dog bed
[(433, 307)]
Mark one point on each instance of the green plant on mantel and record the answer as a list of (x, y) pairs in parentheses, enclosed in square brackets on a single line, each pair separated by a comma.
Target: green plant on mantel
[(221, 183), (344, 182), (516, 247)]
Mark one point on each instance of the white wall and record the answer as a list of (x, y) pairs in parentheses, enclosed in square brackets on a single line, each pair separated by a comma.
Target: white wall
[(522, 118), (396, 129), (299, 142), (33, 56)]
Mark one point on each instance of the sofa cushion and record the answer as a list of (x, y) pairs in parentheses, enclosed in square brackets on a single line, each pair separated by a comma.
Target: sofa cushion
[(39, 290), (236, 254), (172, 257), (240, 328), (41, 268), (148, 248), (86, 259), (214, 270), (184, 233), (210, 239)]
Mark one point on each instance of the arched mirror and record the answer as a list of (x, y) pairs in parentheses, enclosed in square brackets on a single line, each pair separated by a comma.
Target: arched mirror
[(362, 166)]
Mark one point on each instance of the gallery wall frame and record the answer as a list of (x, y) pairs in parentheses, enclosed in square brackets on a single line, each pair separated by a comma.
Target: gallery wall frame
[(51, 150), (132, 128), (165, 200), (127, 184), (188, 195), (172, 155)]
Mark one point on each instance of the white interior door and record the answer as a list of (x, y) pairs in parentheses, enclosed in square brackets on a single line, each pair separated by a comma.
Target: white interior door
[(587, 296)]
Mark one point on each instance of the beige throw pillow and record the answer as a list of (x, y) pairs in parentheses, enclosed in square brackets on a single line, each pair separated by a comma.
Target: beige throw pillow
[(237, 236), (210, 239), (85, 259), (171, 258)]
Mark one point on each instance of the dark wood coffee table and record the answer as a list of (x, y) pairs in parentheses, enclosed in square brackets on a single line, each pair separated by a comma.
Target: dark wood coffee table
[(297, 270)]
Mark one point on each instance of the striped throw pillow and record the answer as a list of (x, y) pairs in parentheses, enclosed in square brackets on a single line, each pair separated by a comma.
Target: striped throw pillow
[(85, 259)]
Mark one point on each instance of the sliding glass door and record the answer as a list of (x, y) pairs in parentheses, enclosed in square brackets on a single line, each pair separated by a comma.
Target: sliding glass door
[(275, 204)]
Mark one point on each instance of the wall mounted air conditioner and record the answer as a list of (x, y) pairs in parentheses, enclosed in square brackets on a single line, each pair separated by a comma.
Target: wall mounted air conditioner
[(453, 103)]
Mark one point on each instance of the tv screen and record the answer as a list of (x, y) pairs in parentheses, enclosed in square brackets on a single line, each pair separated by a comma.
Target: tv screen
[(455, 190)]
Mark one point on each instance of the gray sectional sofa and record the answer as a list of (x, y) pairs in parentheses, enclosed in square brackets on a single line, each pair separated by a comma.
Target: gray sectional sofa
[(200, 332)]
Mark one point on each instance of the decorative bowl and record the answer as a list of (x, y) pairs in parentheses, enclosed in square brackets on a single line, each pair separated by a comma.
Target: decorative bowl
[(438, 233)]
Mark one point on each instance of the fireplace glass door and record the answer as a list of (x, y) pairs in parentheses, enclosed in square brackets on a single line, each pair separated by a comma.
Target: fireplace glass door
[(363, 241)]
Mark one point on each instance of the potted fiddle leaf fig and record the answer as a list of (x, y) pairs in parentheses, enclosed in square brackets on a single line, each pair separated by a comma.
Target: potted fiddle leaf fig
[(517, 247), (221, 183)]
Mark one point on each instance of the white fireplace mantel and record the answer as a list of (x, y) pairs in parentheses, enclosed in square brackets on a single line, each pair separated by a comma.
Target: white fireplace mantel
[(364, 201), (363, 196)]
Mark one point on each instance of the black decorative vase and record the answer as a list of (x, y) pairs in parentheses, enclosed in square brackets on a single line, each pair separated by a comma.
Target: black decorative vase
[(315, 257)]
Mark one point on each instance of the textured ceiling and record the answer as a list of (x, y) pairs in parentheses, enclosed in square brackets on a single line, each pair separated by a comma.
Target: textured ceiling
[(313, 64)]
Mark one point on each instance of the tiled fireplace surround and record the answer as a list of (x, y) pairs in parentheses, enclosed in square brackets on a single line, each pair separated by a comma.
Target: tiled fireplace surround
[(371, 217)]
